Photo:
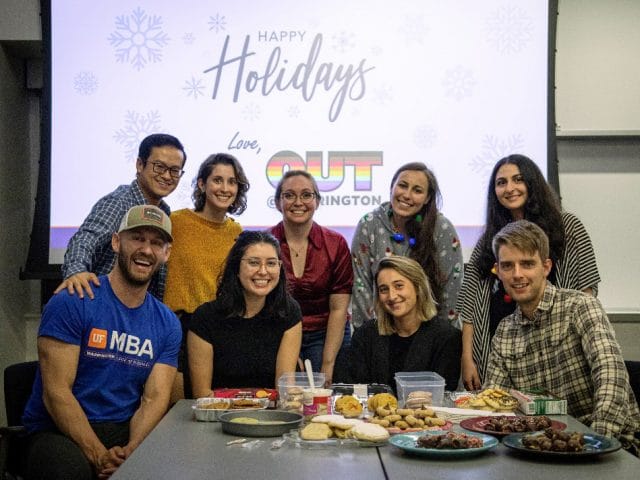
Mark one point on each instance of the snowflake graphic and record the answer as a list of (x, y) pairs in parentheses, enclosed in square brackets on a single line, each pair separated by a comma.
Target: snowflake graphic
[(425, 137), (217, 23), (138, 38), (383, 95), (137, 126), (183, 192), (85, 83), (509, 29), (459, 83), (194, 87), (251, 112), (493, 149), (343, 42), (294, 111), (188, 38), (414, 29)]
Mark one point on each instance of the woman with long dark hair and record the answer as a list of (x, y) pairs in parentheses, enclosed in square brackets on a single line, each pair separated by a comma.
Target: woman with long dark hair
[(251, 333), (517, 190), (410, 225)]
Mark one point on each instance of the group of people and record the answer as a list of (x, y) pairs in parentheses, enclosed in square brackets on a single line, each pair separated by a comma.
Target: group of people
[(243, 307)]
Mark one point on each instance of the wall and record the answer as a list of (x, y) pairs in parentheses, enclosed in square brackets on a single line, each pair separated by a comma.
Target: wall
[(19, 137), (598, 178), (597, 72)]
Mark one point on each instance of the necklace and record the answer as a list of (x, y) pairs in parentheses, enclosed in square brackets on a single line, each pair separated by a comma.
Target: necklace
[(296, 251)]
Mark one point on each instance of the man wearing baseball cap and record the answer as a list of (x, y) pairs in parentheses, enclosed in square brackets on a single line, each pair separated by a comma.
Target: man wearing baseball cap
[(106, 366)]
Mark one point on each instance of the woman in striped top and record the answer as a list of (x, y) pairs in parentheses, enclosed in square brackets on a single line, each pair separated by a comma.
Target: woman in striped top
[(517, 189)]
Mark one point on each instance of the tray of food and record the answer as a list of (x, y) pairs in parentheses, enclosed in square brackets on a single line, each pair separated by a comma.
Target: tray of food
[(385, 412), (351, 400), (209, 409), (490, 399), (501, 426), (259, 423), (558, 443), (335, 430), (443, 445)]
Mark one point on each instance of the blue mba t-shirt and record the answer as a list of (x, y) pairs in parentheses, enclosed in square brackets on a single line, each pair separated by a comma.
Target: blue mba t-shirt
[(118, 348)]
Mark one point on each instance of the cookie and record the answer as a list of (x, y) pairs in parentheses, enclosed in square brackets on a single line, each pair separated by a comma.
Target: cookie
[(316, 431), (384, 400), (326, 418), (369, 432), (348, 405), (345, 423)]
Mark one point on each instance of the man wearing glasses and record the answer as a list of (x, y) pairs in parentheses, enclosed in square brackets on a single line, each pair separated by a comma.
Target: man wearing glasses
[(159, 166)]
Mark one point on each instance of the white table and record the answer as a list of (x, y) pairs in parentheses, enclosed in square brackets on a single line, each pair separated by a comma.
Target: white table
[(181, 448)]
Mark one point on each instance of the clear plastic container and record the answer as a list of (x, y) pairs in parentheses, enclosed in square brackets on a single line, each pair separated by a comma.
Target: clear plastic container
[(407, 382), (291, 387)]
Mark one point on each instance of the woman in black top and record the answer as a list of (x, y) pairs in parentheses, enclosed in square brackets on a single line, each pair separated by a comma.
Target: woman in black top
[(407, 335), (251, 333)]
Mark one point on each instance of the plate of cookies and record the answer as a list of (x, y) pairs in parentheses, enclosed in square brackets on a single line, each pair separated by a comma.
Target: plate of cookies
[(335, 430), (385, 412), (490, 399)]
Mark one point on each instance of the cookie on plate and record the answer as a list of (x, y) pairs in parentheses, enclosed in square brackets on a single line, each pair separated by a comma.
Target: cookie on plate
[(369, 432), (345, 423), (327, 418), (316, 431)]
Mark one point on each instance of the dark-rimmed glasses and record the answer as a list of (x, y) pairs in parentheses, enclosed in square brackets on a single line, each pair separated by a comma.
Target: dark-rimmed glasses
[(160, 168)]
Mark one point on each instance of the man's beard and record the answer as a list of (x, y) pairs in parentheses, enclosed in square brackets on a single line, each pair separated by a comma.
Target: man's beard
[(123, 264)]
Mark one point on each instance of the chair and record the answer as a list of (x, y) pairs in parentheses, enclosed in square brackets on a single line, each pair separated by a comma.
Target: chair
[(18, 382), (633, 367)]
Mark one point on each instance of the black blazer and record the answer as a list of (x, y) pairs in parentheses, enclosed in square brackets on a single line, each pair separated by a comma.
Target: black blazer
[(436, 347)]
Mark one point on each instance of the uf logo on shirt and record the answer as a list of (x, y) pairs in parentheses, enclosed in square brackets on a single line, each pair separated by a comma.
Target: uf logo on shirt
[(122, 342)]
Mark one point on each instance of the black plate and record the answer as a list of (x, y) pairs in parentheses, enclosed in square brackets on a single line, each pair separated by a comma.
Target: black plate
[(594, 444)]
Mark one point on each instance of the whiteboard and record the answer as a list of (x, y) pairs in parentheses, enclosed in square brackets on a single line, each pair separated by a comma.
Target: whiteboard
[(597, 67)]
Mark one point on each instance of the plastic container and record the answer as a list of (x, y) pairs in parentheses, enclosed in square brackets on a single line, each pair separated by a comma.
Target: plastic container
[(407, 382), (316, 402), (205, 412), (291, 387)]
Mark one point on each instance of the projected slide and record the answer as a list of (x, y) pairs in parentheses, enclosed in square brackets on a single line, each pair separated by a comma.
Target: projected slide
[(348, 90)]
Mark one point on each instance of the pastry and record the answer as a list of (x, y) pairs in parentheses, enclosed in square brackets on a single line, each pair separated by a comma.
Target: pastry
[(369, 432), (316, 431)]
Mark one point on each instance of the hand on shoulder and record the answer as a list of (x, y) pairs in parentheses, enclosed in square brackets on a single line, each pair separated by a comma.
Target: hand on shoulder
[(79, 283)]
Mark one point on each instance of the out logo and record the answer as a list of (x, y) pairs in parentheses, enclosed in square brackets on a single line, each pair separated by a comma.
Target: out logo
[(337, 162), (98, 338)]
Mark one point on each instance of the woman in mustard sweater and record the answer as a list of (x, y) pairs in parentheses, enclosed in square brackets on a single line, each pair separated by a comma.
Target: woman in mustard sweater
[(202, 238)]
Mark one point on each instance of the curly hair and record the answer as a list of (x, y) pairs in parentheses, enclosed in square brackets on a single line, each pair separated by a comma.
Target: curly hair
[(542, 208), (422, 229), (199, 197)]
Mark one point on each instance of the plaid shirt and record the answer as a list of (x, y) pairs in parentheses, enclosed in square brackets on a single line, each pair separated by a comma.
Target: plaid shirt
[(568, 348), (89, 249)]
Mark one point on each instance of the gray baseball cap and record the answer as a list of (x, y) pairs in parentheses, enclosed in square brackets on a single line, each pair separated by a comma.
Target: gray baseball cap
[(147, 216)]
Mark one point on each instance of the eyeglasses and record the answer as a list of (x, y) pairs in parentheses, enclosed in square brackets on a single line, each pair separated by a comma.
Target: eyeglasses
[(305, 197), (271, 264), (160, 168)]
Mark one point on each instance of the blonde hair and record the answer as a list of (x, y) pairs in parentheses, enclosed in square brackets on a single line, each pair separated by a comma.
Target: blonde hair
[(425, 303)]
